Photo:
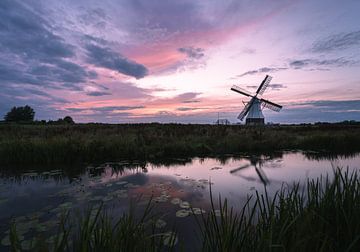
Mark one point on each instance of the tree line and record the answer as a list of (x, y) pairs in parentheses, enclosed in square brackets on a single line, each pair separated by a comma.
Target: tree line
[(26, 114)]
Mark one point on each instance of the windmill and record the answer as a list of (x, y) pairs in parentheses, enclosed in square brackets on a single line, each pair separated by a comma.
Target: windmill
[(253, 109), (257, 163)]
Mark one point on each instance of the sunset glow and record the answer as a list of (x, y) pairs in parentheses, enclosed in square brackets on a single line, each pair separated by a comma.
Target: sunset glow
[(175, 61)]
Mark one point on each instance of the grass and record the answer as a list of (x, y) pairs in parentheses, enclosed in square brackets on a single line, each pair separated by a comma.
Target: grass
[(322, 215), (98, 231), (89, 143)]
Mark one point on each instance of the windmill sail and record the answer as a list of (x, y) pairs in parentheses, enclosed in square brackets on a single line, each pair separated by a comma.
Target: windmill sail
[(240, 90), (264, 85), (246, 109), (271, 105)]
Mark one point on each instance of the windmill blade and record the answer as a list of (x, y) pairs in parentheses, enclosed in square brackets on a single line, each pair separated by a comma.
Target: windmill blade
[(240, 168), (264, 85), (271, 105), (240, 91), (262, 175), (245, 110)]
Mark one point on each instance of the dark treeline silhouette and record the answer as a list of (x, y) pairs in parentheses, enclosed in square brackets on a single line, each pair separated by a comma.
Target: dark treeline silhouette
[(26, 114)]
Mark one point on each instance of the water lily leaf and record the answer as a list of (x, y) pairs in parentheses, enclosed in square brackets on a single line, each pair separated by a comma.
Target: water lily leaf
[(184, 204), (197, 210), (170, 239), (182, 213), (160, 223), (175, 201), (6, 241)]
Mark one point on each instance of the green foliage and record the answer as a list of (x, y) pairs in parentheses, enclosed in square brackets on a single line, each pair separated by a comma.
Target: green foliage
[(20, 114), (68, 143)]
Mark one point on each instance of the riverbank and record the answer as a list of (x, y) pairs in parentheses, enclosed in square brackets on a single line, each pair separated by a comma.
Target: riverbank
[(88, 143)]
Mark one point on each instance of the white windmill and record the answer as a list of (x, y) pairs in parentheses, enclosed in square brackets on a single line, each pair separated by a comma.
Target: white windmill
[(253, 109)]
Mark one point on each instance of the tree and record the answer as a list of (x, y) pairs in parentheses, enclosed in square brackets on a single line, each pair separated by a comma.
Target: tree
[(20, 114), (69, 120)]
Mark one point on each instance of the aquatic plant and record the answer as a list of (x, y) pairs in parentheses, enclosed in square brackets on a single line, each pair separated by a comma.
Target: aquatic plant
[(96, 230)]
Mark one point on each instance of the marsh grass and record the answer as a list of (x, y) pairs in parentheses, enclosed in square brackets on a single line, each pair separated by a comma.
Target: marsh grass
[(91, 143), (97, 230), (323, 216)]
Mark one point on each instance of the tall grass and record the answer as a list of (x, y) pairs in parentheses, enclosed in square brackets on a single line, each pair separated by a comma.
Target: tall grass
[(96, 230), (324, 216), (69, 144)]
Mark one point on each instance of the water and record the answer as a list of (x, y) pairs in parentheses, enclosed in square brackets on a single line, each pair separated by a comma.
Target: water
[(37, 198)]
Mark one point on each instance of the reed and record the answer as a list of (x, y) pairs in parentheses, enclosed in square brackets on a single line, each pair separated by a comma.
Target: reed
[(89, 143), (322, 216)]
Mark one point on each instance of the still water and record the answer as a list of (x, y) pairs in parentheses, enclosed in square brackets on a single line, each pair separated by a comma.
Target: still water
[(35, 199)]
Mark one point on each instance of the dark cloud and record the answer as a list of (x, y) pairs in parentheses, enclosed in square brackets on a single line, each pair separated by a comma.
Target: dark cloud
[(192, 52), (28, 35), (263, 70), (277, 86), (105, 57), (187, 96), (191, 101), (315, 111), (303, 63), (33, 54), (337, 42), (107, 108), (97, 93), (186, 109)]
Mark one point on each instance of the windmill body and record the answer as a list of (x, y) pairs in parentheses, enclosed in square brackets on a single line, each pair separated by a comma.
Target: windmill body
[(253, 109), (255, 115)]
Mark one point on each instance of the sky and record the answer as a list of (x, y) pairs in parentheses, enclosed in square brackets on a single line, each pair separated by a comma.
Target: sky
[(131, 61)]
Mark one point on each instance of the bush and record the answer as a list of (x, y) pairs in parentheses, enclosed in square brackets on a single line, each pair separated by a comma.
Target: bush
[(20, 114)]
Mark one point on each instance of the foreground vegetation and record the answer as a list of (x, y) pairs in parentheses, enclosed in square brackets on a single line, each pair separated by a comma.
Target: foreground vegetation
[(69, 144), (323, 216)]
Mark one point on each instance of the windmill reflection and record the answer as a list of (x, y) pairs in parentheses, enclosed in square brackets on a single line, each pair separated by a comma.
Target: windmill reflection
[(256, 162)]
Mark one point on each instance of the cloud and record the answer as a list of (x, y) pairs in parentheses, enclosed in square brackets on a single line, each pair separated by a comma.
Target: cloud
[(32, 53), (337, 42), (192, 52), (186, 109), (303, 63), (106, 108), (263, 70), (191, 101), (97, 93), (275, 86), (105, 57), (317, 111), (187, 96)]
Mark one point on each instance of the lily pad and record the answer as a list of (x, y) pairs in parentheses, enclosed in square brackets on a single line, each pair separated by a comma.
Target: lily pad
[(182, 213), (175, 201), (6, 241), (27, 245), (170, 238), (160, 223), (198, 211), (184, 204), (121, 182)]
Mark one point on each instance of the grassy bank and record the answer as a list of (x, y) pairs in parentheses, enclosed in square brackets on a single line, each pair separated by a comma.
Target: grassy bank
[(323, 216), (69, 144)]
